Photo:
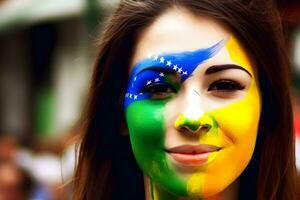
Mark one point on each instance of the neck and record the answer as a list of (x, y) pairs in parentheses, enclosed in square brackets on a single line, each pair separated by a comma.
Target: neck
[(154, 192)]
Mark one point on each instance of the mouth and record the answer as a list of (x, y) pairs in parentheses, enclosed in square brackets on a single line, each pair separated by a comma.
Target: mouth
[(192, 155)]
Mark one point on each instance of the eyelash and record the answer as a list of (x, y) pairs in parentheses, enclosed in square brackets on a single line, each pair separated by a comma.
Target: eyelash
[(159, 90), (225, 85)]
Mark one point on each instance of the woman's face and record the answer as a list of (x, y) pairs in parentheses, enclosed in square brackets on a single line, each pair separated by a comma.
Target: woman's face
[(192, 105)]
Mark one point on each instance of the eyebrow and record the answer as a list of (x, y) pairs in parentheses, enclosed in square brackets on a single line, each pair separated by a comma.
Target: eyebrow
[(218, 68), (156, 68)]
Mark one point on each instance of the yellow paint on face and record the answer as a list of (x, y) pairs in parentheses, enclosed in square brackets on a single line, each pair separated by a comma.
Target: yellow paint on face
[(238, 124)]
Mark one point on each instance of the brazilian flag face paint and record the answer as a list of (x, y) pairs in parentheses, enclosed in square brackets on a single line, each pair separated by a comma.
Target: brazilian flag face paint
[(159, 117), (156, 84), (193, 111), (145, 108)]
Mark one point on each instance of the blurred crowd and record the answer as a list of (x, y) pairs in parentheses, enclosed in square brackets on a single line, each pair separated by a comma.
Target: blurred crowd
[(42, 172)]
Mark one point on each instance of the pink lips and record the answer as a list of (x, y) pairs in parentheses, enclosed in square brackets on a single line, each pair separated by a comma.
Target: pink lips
[(192, 155)]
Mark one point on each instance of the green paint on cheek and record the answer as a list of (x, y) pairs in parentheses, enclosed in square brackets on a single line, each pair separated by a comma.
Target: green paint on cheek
[(145, 121)]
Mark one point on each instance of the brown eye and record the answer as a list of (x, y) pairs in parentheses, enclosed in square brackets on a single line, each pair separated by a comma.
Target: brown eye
[(159, 90), (225, 86)]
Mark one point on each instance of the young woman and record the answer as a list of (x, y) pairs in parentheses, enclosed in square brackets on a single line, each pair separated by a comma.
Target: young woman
[(200, 88)]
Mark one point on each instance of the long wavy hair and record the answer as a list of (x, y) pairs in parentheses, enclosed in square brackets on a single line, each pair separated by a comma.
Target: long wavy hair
[(106, 167)]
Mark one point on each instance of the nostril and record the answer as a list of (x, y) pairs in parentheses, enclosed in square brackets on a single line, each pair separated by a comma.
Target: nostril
[(185, 131), (205, 128), (188, 131)]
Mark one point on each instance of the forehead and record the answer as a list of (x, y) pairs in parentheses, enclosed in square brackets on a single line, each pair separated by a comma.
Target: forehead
[(177, 30)]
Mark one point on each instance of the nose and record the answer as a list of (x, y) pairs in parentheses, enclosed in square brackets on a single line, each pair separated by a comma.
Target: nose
[(193, 126), (192, 118)]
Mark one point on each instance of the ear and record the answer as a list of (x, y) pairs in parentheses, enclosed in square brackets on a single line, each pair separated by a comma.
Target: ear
[(124, 128)]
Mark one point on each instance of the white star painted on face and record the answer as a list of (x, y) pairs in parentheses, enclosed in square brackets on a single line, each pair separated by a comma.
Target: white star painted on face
[(175, 67), (180, 70), (135, 97), (156, 80), (185, 73), (130, 96), (135, 78), (149, 82), (161, 74), (169, 63), (162, 60), (155, 58)]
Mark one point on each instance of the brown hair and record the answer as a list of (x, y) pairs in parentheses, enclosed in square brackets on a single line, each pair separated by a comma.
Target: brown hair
[(102, 168)]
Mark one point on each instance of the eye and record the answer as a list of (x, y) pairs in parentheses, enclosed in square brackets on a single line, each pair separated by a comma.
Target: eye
[(159, 90), (225, 85)]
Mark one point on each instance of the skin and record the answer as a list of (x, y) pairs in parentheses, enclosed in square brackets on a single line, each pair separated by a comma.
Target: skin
[(202, 109)]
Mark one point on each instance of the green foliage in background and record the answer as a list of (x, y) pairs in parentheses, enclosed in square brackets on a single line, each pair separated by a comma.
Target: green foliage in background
[(93, 15), (44, 112)]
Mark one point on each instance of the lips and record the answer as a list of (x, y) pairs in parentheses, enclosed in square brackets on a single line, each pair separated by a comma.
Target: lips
[(192, 155)]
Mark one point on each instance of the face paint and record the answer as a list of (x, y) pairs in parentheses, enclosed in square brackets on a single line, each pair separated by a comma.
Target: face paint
[(145, 117), (203, 107)]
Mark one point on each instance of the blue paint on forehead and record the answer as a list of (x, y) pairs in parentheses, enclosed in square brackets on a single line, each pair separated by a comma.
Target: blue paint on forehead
[(151, 70)]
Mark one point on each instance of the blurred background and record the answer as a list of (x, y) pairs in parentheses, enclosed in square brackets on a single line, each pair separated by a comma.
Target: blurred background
[(47, 49)]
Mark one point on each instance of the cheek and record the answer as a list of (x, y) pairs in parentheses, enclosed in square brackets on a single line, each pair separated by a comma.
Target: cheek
[(239, 121), (146, 125), (146, 130)]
